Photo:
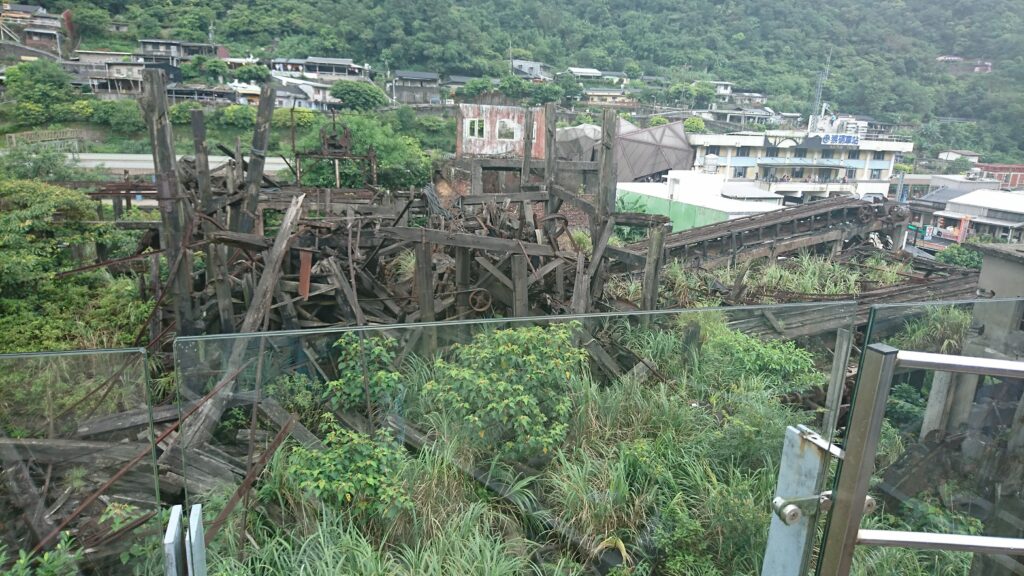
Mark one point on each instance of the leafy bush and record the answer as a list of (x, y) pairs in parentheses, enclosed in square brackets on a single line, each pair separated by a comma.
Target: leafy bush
[(357, 353), (181, 113), (353, 473), (361, 96), (694, 125), (959, 255), (657, 121), (303, 118), (38, 223), (120, 115), (507, 390), (236, 116)]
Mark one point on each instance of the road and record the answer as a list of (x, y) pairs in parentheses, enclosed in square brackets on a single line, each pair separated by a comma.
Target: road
[(144, 162)]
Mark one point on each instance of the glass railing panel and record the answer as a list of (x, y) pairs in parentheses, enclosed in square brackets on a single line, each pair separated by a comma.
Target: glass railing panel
[(76, 433), (582, 442), (946, 462)]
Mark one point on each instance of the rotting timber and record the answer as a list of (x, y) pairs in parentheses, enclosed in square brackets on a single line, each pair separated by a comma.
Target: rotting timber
[(348, 257)]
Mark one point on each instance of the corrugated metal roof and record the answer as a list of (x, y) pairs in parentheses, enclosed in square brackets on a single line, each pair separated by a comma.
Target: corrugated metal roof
[(416, 75), (334, 61)]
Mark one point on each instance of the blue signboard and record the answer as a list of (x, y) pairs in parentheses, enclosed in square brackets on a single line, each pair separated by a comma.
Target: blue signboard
[(840, 139)]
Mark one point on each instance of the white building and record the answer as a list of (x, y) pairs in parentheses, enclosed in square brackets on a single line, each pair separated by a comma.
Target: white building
[(951, 155), (803, 166)]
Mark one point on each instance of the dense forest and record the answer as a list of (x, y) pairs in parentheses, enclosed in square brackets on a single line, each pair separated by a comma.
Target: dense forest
[(883, 52)]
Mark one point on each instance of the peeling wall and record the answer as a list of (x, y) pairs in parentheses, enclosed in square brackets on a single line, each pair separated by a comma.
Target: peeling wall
[(503, 130)]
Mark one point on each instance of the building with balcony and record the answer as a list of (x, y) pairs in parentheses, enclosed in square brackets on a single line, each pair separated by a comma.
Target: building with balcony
[(803, 166), (175, 52), (328, 70)]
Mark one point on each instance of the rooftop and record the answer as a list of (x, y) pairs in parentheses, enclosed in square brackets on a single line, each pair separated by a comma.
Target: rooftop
[(995, 199), (416, 75), (584, 71), (333, 61), (962, 152), (941, 195)]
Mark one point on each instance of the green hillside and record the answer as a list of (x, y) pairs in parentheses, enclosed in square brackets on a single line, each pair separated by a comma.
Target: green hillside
[(883, 52)]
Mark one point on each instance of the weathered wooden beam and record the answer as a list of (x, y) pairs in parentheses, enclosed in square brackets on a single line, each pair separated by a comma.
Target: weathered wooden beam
[(581, 288), (425, 292), (243, 240), (174, 210), (22, 490), (125, 420), (467, 241), (494, 271), (544, 270), (550, 152), (202, 159), (502, 198), (200, 428), (60, 451), (257, 158), (601, 245), (576, 201), (520, 290), (524, 173), (652, 267), (345, 290), (463, 258), (607, 173)]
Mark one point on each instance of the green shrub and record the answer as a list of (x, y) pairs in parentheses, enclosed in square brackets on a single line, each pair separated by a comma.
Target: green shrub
[(959, 255), (236, 116), (181, 113), (354, 473), (303, 118), (120, 115), (364, 365), (508, 390)]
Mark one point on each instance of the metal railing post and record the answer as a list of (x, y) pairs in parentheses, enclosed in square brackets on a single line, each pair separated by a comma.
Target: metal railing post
[(867, 410)]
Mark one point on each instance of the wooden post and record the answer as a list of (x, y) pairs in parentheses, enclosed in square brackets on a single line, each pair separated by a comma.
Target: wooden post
[(550, 145), (257, 158), (174, 210), (524, 174), (520, 294), (425, 292), (202, 159), (462, 278), (476, 185), (652, 268), (607, 173)]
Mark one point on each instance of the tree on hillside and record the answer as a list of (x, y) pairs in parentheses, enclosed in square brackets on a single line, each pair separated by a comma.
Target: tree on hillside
[(514, 87), (252, 73), (361, 96), (701, 94), (474, 88), (694, 125), (205, 69), (544, 93), (633, 71), (959, 166), (41, 82), (571, 88), (90, 21)]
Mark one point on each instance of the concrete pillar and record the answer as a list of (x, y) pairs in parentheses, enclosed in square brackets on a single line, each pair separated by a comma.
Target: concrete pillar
[(963, 399), (939, 400)]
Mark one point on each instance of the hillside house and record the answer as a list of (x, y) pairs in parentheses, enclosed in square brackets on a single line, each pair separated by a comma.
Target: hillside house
[(585, 73), (415, 87), (616, 97), (951, 155), (320, 68), (532, 71), (175, 52)]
